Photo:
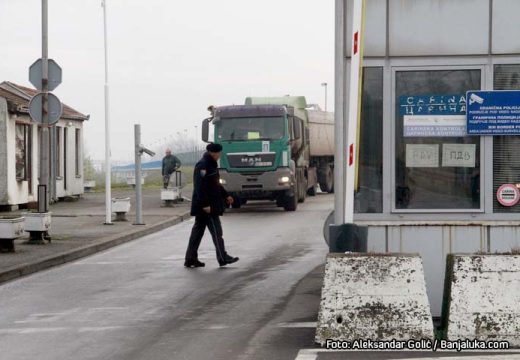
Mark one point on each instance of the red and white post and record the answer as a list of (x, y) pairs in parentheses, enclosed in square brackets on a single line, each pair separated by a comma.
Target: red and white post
[(354, 108), (344, 235)]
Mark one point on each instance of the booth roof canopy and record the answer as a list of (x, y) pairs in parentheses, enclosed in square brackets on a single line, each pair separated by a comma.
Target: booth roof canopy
[(18, 98)]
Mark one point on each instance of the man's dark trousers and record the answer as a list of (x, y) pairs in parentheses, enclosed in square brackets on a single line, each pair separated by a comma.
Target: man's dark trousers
[(212, 222)]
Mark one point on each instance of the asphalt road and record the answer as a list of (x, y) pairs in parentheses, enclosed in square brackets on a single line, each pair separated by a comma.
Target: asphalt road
[(137, 301)]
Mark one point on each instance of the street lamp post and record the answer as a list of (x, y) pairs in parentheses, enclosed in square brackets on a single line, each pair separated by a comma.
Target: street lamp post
[(195, 145), (108, 168), (325, 86)]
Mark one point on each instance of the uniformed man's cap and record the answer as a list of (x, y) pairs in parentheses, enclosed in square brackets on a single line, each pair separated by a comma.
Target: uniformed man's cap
[(214, 148)]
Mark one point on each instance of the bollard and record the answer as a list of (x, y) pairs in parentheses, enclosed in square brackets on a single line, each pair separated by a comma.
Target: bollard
[(348, 238), (139, 150)]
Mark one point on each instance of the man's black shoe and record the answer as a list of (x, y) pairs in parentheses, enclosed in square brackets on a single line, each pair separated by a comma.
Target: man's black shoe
[(193, 264), (229, 260)]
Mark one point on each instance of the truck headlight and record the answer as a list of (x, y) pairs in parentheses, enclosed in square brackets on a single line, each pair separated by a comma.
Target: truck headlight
[(284, 180), (222, 181)]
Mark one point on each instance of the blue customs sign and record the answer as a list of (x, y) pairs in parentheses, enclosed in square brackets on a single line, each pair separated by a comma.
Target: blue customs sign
[(493, 112), (433, 115)]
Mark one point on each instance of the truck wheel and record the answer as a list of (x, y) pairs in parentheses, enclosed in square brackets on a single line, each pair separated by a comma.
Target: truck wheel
[(302, 189), (291, 202), (237, 202), (326, 179)]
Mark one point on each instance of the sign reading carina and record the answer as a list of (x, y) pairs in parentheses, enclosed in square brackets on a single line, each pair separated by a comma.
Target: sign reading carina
[(433, 115)]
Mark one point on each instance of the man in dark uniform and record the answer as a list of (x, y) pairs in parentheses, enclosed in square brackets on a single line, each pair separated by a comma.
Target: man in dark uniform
[(170, 163), (207, 205)]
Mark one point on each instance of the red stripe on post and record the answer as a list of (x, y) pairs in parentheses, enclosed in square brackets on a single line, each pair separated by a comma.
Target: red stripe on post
[(356, 37), (351, 155)]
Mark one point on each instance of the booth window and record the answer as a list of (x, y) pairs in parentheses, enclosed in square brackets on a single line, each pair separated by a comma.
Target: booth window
[(369, 198), (437, 166), (506, 162), (22, 152)]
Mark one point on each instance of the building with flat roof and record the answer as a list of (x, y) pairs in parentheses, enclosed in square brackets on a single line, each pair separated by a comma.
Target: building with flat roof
[(425, 185), (20, 150)]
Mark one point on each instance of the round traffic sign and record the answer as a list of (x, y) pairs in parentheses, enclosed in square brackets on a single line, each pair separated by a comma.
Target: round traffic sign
[(54, 107), (508, 195)]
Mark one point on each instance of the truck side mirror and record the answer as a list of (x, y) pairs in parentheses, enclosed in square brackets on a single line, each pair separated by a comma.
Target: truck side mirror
[(297, 126), (205, 129)]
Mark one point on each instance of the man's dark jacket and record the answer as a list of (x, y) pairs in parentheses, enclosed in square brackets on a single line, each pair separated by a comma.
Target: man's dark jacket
[(170, 163), (207, 190)]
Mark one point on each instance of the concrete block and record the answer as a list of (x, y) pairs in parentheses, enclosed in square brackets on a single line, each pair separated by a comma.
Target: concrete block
[(374, 296), (482, 297)]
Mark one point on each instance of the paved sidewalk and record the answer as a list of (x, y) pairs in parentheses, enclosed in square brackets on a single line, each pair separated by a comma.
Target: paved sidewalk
[(77, 230)]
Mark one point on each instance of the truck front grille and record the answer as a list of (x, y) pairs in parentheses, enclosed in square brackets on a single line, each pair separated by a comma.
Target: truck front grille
[(249, 160), (252, 187)]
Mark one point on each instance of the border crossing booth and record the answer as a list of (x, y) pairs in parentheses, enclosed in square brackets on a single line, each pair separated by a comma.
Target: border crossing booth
[(425, 184)]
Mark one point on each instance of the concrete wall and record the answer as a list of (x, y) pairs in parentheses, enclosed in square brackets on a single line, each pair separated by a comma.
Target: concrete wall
[(375, 296), (484, 298), (435, 242)]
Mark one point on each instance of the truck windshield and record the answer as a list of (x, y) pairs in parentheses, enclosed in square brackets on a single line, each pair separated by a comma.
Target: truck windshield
[(254, 128)]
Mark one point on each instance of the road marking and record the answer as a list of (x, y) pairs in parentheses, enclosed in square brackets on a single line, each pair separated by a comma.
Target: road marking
[(19, 331), (217, 327), (108, 308), (41, 330), (100, 328), (480, 357), (307, 354), (42, 317), (297, 325), (312, 354)]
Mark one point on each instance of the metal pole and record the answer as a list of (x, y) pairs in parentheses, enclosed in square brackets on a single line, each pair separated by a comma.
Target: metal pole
[(325, 96), (339, 118), (44, 148), (325, 86), (138, 190), (108, 167), (195, 146)]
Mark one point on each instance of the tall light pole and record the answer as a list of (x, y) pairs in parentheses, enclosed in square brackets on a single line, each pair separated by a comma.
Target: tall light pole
[(325, 86), (108, 168), (195, 145)]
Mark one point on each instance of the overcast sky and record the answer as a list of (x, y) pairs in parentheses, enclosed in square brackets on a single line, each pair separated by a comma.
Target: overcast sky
[(170, 59)]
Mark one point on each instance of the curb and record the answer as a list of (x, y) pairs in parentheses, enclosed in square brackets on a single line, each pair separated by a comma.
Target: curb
[(87, 250)]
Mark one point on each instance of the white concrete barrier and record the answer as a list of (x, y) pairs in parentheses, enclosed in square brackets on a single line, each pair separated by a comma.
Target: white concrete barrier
[(374, 296), (482, 298)]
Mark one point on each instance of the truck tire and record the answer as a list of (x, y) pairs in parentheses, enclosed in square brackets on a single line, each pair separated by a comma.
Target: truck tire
[(291, 202), (237, 202), (326, 179), (302, 190)]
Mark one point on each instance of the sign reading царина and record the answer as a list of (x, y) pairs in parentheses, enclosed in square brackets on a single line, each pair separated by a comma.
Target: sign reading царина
[(433, 115)]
